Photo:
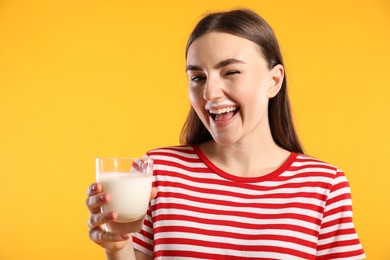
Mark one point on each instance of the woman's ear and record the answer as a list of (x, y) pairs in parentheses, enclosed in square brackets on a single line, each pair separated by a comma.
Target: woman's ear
[(277, 77)]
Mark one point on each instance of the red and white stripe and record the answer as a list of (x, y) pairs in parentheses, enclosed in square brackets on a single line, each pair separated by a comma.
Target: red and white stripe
[(300, 211)]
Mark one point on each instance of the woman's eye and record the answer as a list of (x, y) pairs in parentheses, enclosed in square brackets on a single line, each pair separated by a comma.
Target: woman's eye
[(232, 72), (197, 78)]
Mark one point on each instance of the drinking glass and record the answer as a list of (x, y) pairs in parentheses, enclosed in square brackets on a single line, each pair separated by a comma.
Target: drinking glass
[(128, 181)]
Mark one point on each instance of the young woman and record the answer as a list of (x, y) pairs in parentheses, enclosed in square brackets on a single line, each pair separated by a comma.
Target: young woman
[(240, 187)]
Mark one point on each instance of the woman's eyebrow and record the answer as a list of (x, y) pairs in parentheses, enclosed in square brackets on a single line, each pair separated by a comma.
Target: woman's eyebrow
[(227, 62), (219, 65), (193, 67)]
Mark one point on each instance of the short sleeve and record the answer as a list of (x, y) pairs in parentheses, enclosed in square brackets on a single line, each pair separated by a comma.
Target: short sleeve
[(337, 237), (143, 240)]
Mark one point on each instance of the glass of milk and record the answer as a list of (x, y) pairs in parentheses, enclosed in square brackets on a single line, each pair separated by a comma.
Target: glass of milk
[(129, 182)]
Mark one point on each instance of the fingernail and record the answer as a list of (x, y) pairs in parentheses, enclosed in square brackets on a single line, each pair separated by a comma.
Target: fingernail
[(110, 216), (94, 187), (103, 198)]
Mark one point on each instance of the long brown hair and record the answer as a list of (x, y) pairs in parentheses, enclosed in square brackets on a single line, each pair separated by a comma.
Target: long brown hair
[(249, 25)]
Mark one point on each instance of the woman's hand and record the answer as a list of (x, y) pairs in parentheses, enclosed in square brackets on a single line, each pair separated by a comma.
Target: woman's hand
[(116, 236), (109, 240)]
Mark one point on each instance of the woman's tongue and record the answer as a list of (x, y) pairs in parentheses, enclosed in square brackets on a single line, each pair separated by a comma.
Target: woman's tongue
[(224, 116)]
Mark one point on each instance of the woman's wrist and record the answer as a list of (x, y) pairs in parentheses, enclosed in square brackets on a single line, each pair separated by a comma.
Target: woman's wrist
[(126, 252)]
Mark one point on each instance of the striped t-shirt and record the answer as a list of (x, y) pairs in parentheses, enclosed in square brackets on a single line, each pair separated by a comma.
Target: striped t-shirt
[(300, 211)]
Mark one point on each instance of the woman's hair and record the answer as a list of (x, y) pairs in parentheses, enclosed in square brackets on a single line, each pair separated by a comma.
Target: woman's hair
[(249, 25)]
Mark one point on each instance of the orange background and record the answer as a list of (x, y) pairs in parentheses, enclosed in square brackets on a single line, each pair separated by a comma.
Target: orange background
[(81, 79)]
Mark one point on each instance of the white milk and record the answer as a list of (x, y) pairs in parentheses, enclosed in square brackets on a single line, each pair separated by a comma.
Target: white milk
[(130, 193)]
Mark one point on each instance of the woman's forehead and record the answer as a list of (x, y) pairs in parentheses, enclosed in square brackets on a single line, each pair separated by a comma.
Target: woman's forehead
[(218, 46)]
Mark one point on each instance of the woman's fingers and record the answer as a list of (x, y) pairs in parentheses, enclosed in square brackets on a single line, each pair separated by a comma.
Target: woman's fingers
[(94, 188), (96, 220), (99, 235), (96, 201), (153, 194)]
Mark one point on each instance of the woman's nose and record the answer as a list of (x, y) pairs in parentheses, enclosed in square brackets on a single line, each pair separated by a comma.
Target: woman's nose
[(213, 89)]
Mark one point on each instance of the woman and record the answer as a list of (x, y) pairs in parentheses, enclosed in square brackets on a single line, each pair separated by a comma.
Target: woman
[(240, 186)]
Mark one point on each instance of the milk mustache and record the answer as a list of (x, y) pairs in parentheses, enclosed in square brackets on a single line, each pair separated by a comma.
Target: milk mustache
[(130, 193)]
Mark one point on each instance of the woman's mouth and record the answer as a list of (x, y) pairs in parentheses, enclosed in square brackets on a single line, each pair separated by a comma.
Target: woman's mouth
[(222, 114)]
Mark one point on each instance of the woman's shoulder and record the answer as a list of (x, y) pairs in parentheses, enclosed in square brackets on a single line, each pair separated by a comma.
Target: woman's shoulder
[(319, 170), (310, 162), (179, 157), (177, 150)]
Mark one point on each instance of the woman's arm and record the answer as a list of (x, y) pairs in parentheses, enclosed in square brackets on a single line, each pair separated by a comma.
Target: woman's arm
[(127, 253), (141, 256)]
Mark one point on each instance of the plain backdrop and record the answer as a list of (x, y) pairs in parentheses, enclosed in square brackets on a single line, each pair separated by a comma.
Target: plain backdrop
[(82, 79)]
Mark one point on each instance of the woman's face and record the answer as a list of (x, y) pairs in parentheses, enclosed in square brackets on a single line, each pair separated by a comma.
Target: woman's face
[(230, 85)]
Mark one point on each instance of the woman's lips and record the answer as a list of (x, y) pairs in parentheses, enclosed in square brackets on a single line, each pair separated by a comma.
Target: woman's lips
[(223, 114)]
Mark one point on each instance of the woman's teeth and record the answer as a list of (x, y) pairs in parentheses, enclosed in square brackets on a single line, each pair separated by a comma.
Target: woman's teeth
[(222, 110)]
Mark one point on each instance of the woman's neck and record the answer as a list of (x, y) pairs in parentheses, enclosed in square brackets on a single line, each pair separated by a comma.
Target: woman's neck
[(246, 159)]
